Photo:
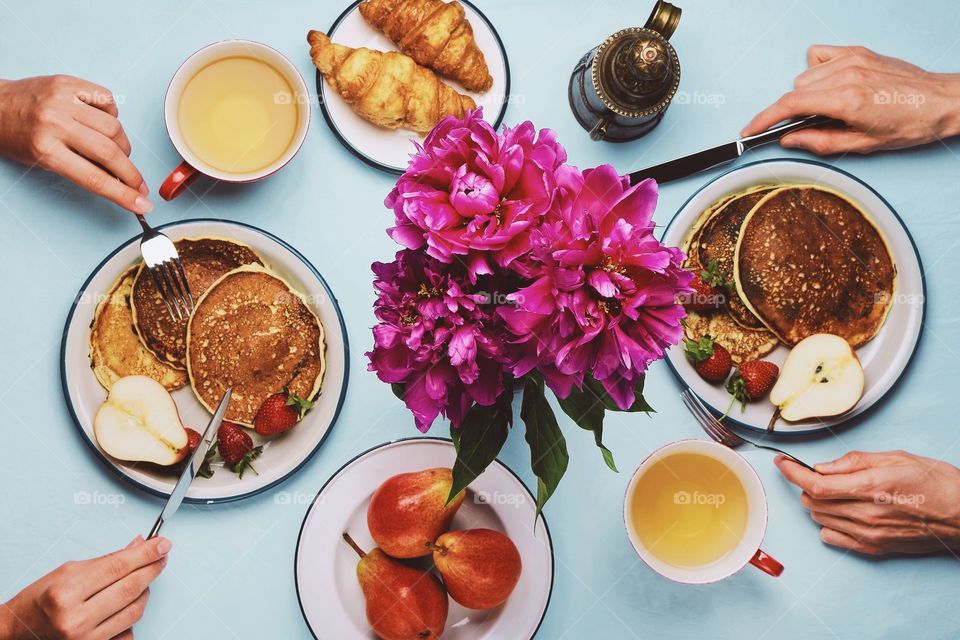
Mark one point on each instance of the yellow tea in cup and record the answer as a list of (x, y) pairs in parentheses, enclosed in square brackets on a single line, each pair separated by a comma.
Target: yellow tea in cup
[(688, 509), (238, 114)]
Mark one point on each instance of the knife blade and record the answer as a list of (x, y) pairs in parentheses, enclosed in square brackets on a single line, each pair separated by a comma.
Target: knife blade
[(703, 160), (193, 466)]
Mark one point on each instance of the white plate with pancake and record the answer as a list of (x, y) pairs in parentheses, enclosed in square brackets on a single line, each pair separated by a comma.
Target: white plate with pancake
[(390, 149), (282, 455), (884, 358), (325, 567)]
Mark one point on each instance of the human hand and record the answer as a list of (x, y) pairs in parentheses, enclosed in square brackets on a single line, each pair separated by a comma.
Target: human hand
[(69, 126), (876, 503), (885, 103), (97, 599)]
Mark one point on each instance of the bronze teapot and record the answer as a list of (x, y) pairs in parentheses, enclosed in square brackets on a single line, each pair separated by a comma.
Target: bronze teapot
[(620, 89)]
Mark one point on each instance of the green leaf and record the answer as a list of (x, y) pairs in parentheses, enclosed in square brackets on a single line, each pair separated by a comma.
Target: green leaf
[(595, 390), (480, 438), (455, 436), (398, 389), (548, 448), (205, 470), (587, 412)]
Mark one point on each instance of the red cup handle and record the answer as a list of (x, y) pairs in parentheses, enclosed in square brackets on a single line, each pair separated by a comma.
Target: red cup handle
[(177, 181), (766, 563)]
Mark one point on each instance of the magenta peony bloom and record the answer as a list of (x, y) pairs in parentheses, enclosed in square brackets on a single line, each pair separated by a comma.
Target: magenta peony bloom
[(471, 192), (441, 342), (603, 293)]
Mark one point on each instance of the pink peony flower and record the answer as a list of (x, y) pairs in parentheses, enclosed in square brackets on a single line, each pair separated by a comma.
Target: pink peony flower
[(441, 342), (471, 192), (603, 293)]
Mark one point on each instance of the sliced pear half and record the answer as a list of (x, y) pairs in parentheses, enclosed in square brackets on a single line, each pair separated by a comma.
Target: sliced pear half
[(139, 422), (821, 377)]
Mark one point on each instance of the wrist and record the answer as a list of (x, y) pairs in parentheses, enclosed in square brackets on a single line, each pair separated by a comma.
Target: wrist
[(13, 625), (8, 627), (949, 124)]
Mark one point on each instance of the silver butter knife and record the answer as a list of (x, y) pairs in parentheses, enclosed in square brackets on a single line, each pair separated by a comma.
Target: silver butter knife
[(703, 160), (190, 469)]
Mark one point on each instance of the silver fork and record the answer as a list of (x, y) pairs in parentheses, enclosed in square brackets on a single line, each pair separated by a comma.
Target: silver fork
[(163, 262), (721, 432)]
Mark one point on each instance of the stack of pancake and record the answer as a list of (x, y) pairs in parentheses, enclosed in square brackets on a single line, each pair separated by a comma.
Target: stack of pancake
[(802, 259), (250, 330)]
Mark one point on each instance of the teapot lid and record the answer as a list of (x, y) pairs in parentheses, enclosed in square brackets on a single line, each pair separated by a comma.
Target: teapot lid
[(635, 71)]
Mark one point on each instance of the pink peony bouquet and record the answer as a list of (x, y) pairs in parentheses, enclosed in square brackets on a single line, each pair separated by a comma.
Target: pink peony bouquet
[(520, 272)]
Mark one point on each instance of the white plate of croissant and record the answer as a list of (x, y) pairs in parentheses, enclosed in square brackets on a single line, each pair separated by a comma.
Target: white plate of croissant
[(389, 70)]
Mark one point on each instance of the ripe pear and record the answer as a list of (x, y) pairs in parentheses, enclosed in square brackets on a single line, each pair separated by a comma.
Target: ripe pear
[(403, 603), (480, 567), (139, 422), (410, 510), (821, 377)]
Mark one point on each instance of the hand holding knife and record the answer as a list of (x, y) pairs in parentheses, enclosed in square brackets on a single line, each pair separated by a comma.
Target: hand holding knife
[(703, 160)]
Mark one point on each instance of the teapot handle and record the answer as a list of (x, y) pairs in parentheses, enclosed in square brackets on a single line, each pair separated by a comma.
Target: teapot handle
[(664, 19)]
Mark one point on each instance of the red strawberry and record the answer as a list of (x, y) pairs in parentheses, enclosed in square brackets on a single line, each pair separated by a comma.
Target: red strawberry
[(753, 380), (236, 447), (710, 359), (710, 290), (279, 413), (193, 439)]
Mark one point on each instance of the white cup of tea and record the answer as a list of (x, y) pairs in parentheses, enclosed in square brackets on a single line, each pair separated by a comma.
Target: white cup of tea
[(696, 512), (237, 111)]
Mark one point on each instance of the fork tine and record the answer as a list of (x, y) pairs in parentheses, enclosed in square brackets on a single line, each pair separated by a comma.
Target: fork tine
[(163, 296), (181, 296), (168, 290), (710, 424), (688, 401), (729, 437), (186, 283)]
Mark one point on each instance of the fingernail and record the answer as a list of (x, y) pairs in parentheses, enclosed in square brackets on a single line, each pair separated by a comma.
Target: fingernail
[(144, 190), (163, 546), (778, 459), (143, 205)]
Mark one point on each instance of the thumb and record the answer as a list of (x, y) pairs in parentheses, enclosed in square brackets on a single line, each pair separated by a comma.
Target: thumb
[(848, 463)]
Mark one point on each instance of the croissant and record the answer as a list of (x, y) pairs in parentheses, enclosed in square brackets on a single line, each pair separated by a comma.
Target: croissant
[(388, 89), (436, 34)]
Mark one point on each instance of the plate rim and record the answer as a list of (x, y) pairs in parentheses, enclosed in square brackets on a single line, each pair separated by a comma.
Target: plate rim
[(843, 419), (114, 469), (306, 515), (321, 87)]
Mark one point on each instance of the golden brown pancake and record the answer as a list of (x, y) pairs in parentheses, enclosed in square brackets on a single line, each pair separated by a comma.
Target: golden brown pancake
[(115, 349), (810, 260), (204, 260), (742, 343), (717, 240), (253, 332)]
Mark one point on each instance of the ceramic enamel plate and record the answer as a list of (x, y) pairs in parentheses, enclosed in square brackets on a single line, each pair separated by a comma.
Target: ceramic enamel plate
[(390, 149), (884, 358), (281, 456), (325, 567)]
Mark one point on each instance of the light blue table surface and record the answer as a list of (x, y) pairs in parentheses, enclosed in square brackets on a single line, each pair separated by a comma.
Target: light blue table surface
[(230, 573)]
